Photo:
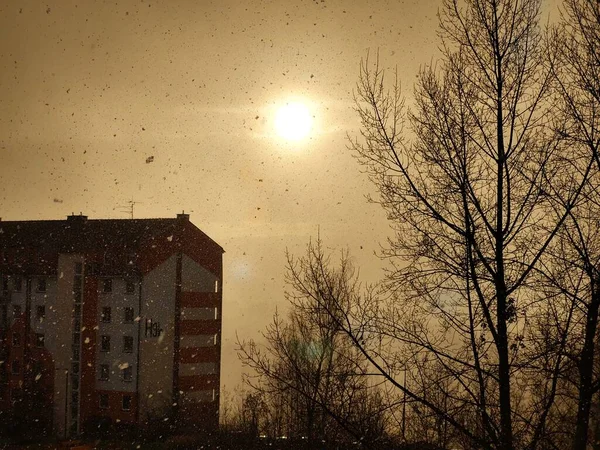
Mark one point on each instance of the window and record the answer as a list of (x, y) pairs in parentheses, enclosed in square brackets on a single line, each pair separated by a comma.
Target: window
[(16, 339), (15, 367), (203, 368), (105, 343), (127, 344), (129, 315), (199, 314), (103, 401), (4, 314), (127, 373), (16, 311), (104, 372), (40, 312), (198, 340), (16, 395), (126, 402), (78, 268), (76, 352), (129, 287), (107, 285), (216, 285), (5, 283), (39, 340), (41, 285), (106, 314), (130, 259), (17, 283), (77, 293)]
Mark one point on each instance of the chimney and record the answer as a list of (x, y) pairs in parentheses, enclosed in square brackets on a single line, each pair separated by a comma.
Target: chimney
[(183, 216), (77, 219)]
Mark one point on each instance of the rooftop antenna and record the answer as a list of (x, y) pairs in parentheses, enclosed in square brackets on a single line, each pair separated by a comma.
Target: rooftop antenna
[(128, 208)]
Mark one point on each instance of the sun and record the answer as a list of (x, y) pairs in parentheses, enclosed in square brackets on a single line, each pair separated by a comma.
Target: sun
[(293, 121)]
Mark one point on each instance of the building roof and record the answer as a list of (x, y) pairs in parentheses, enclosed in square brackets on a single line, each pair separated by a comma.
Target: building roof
[(38, 240)]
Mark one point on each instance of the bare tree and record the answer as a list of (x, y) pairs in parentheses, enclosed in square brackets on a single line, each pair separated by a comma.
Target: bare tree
[(575, 64), (310, 363), (477, 188)]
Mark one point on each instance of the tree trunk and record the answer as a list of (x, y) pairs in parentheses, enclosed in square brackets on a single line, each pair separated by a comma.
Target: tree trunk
[(586, 372), (504, 375)]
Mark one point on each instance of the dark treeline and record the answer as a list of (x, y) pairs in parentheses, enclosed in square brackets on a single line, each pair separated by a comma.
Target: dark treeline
[(484, 332)]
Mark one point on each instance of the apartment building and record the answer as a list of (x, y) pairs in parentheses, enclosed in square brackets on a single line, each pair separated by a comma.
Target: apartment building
[(109, 320)]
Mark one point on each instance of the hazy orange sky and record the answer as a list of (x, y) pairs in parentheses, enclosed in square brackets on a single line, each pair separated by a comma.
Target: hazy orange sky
[(90, 89)]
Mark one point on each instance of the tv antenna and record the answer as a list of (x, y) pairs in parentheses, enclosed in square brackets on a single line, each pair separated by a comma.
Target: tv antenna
[(128, 209)]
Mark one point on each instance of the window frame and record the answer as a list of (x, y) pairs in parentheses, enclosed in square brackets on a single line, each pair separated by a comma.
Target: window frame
[(127, 370), (17, 283), (105, 339), (41, 285), (107, 285), (101, 404), (129, 401), (129, 287), (104, 317), (40, 338), (127, 338), (15, 363), (102, 376), (127, 310)]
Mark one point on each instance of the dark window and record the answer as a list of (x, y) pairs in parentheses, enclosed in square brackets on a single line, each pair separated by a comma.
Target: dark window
[(129, 315), (16, 339), (130, 259), (78, 268), (77, 323), (107, 285), (129, 287), (4, 314), (104, 401), (126, 402), (18, 283), (16, 395), (127, 373), (39, 340), (16, 311), (104, 372), (105, 343), (75, 381), (77, 294), (5, 283), (41, 311), (106, 314), (127, 344), (15, 367), (41, 285)]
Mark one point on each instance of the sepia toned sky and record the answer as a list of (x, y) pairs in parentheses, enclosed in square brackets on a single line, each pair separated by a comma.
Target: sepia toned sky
[(90, 89)]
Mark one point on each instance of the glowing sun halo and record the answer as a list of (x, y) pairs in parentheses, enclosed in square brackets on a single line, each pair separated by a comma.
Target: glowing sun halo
[(293, 121)]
